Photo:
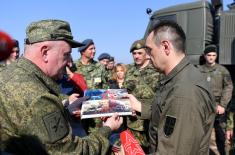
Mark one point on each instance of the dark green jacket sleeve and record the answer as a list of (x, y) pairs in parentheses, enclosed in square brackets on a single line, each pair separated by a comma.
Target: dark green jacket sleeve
[(185, 135), (146, 110), (227, 89)]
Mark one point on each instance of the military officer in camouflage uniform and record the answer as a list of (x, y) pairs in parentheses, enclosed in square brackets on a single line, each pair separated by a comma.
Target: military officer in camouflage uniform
[(109, 68), (182, 115), (104, 60), (220, 81), (141, 80), (94, 74), (30, 99), (93, 71)]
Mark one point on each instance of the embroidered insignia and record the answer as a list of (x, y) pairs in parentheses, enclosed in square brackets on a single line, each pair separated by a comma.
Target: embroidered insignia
[(169, 125), (56, 126)]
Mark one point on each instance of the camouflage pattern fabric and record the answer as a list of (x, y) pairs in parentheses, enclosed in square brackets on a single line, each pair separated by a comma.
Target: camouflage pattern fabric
[(30, 105), (230, 145), (46, 30), (94, 74), (2, 65), (108, 77), (142, 83)]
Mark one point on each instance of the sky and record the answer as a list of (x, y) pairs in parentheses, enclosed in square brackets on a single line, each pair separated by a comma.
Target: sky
[(112, 24)]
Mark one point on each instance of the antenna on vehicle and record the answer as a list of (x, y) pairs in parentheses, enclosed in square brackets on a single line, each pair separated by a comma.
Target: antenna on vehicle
[(149, 11)]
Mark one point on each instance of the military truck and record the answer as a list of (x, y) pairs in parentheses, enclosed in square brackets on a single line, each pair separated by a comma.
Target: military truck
[(204, 23)]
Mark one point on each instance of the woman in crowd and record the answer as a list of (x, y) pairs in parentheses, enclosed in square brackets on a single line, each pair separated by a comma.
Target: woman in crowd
[(118, 77)]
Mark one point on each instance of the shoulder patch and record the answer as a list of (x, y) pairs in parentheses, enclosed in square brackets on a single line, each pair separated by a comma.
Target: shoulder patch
[(56, 126), (169, 125)]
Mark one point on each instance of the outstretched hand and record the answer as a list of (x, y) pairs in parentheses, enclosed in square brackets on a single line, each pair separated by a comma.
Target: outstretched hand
[(135, 104)]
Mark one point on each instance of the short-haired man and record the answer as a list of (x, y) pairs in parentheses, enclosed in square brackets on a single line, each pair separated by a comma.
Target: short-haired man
[(111, 63), (93, 71), (109, 68), (142, 80), (104, 59), (94, 74), (182, 116), (30, 98), (220, 81)]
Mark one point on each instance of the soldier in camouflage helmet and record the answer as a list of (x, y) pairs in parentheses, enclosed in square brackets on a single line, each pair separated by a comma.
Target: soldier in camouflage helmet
[(142, 80), (221, 83), (30, 99)]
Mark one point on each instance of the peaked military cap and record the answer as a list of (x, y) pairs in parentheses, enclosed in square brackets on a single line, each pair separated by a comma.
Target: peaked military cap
[(210, 48), (50, 30), (138, 44)]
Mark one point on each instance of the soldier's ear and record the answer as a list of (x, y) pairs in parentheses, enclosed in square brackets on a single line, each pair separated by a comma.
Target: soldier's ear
[(166, 46), (44, 53)]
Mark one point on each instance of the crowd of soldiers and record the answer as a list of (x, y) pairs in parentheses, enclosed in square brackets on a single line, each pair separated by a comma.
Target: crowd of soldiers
[(179, 108)]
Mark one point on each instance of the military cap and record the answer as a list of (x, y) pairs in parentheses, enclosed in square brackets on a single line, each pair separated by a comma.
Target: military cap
[(103, 56), (85, 43), (137, 45), (50, 30), (210, 48)]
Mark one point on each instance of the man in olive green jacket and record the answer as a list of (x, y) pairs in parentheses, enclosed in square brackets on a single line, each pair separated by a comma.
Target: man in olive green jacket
[(221, 83), (30, 99), (182, 116)]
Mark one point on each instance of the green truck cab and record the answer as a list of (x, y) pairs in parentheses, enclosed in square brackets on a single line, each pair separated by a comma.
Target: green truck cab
[(204, 23)]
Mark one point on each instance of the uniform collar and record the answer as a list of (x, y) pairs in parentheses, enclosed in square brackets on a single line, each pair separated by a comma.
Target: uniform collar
[(31, 67), (207, 68), (183, 63), (79, 62)]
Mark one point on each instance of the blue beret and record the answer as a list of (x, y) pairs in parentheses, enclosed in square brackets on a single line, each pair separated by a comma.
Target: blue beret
[(103, 56), (85, 43)]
